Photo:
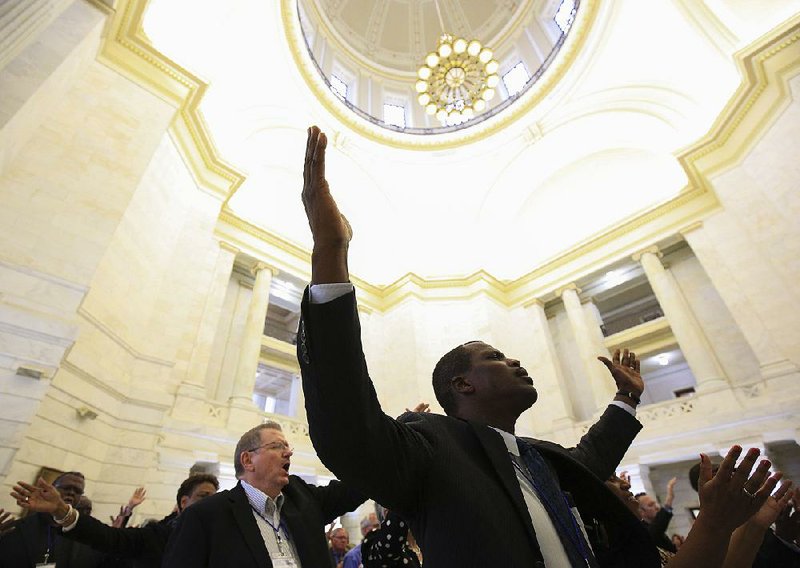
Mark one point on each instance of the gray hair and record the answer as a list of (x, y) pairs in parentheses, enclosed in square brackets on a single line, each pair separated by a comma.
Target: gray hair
[(250, 440)]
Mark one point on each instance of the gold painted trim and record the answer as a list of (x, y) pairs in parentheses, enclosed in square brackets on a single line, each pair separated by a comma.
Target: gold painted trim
[(127, 50), (765, 66), (581, 28)]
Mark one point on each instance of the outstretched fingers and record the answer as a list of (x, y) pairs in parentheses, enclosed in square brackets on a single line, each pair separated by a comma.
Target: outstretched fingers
[(726, 467), (706, 471), (742, 474), (767, 488)]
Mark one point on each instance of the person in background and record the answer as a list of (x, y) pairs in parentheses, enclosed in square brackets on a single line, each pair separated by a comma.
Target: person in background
[(143, 546), (657, 517), (773, 547), (138, 497), (391, 546), (677, 540), (37, 538), (353, 558), (728, 500), (270, 517), (339, 546)]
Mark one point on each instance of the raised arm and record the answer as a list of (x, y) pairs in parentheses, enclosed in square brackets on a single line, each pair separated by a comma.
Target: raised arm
[(602, 448), (329, 228), (353, 437), (727, 501)]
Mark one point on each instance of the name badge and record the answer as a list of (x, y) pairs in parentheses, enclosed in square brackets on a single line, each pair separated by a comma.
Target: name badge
[(283, 563), (46, 565)]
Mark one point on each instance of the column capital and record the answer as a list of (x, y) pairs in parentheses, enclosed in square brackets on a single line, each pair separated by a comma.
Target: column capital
[(690, 228), (259, 266), (637, 256), (570, 286), (224, 245)]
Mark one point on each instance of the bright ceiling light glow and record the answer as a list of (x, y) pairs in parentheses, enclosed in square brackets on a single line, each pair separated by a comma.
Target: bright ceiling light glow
[(613, 278), (662, 359)]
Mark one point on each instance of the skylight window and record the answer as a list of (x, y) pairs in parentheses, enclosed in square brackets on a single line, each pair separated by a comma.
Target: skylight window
[(565, 14), (516, 79), (394, 115), (339, 87)]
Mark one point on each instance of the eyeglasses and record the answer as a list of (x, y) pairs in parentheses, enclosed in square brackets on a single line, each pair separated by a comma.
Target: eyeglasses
[(283, 447)]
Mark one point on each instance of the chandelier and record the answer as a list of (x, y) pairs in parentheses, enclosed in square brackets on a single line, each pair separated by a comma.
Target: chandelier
[(458, 79)]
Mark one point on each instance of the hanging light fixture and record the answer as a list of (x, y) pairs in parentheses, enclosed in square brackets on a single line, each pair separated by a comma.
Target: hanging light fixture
[(458, 79)]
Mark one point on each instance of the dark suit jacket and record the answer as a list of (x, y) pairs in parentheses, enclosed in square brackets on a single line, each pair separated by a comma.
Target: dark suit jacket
[(452, 479), (26, 544), (221, 531), (658, 530), (144, 545), (774, 552)]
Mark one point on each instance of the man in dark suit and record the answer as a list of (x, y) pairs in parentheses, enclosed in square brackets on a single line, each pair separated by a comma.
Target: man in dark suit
[(473, 494), (144, 546), (270, 519), (37, 539)]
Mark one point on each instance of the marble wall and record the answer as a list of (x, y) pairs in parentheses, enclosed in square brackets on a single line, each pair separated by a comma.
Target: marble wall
[(115, 289)]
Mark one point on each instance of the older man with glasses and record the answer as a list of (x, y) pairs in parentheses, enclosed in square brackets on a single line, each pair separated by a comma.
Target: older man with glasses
[(270, 518)]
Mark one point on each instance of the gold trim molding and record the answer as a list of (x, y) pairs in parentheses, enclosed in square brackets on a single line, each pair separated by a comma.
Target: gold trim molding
[(765, 66), (127, 50)]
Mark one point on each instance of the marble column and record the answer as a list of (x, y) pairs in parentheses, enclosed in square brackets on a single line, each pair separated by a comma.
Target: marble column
[(553, 389), (204, 341), (250, 350), (773, 362), (691, 339), (601, 383)]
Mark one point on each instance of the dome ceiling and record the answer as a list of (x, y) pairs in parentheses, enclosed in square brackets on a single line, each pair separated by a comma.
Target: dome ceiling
[(596, 152), (397, 34)]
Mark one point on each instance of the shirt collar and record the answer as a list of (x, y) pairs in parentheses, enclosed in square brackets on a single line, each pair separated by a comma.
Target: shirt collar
[(510, 441), (262, 502)]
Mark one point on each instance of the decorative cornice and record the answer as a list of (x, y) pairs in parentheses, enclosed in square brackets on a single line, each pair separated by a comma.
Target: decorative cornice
[(127, 50), (765, 66), (690, 228), (229, 247)]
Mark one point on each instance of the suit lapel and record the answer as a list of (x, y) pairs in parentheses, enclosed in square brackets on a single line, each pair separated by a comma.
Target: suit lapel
[(497, 452), (294, 521), (247, 525)]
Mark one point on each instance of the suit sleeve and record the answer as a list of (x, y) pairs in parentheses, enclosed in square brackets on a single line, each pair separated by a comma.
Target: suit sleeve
[(126, 542), (353, 437), (189, 542), (660, 523), (602, 448), (336, 499)]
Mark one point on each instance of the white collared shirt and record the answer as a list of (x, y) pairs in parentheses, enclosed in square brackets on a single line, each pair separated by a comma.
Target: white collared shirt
[(277, 539)]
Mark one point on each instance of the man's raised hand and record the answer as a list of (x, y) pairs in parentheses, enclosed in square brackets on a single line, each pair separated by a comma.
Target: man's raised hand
[(624, 367), (41, 498), (329, 228)]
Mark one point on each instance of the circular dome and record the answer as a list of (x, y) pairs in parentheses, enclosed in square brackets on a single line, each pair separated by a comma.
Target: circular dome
[(426, 67)]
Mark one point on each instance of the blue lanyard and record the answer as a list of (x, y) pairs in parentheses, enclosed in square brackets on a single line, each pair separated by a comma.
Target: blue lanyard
[(277, 530)]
